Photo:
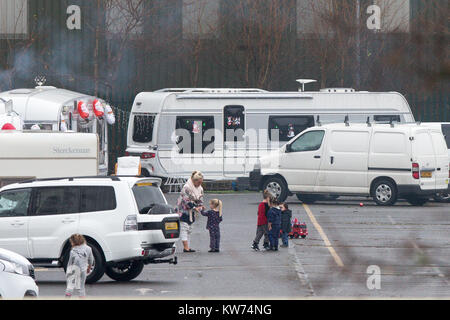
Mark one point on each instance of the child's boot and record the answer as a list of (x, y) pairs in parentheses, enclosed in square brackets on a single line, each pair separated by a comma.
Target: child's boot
[(255, 246)]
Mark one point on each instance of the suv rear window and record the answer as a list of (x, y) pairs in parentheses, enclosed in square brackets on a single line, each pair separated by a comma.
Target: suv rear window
[(143, 128), (147, 195)]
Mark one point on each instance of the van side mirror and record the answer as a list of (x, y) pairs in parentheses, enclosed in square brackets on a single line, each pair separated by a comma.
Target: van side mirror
[(288, 148)]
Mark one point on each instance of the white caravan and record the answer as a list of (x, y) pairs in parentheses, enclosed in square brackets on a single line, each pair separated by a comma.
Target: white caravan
[(259, 121), (35, 154), (55, 109), (387, 162)]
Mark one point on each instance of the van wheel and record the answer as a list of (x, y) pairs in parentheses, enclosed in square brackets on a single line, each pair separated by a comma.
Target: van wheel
[(98, 268), (125, 271), (277, 187), (417, 201), (384, 193), (307, 198)]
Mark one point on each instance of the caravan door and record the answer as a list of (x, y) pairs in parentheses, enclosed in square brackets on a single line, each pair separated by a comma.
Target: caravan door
[(234, 141)]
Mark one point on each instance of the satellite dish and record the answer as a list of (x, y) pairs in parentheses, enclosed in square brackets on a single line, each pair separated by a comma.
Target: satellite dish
[(303, 82)]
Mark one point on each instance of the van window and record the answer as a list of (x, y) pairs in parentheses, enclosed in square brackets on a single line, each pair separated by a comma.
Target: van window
[(194, 129), (56, 200), (234, 123), (14, 203), (309, 141), (97, 199), (147, 196), (350, 141), (289, 126), (386, 118), (446, 132), (143, 125)]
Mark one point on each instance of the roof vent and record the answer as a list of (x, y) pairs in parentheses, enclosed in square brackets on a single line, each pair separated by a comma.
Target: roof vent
[(303, 82), (338, 90)]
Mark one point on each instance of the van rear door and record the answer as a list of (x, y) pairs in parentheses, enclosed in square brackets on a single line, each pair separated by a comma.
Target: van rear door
[(442, 160), (424, 155)]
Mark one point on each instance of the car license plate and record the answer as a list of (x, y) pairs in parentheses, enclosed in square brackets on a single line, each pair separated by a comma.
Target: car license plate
[(171, 226), (426, 174)]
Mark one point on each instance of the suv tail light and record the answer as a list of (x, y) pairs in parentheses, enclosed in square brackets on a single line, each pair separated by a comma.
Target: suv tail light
[(148, 155), (415, 170), (130, 223)]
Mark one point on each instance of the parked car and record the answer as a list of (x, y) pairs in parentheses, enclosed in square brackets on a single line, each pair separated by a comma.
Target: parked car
[(16, 276), (125, 220), (445, 128), (386, 162)]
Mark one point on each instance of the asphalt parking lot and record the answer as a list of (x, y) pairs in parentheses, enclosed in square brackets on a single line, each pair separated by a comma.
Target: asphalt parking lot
[(409, 245)]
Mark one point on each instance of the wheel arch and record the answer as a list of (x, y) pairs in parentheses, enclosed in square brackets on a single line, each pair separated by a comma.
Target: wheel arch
[(375, 180), (66, 246)]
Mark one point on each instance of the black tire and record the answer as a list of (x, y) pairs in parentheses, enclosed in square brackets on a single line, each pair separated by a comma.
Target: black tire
[(291, 237), (303, 237), (307, 198), (99, 264), (442, 197), (125, 271), (418, 202), (277, 187), (384, 193)]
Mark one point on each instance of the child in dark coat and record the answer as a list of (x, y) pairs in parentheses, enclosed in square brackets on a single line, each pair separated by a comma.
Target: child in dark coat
[(286, 227), (274, 219), (214, 219)]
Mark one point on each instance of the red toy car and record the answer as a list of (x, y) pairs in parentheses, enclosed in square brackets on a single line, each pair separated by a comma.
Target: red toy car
[(299, 230)]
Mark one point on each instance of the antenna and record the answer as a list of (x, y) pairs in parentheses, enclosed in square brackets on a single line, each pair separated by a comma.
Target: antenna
[(8, 106), (303, 82), (346, 121), (40, 80), (319, 124), (368, 122)]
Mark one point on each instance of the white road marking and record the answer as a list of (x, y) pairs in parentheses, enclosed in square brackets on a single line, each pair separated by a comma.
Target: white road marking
[(301, 273)]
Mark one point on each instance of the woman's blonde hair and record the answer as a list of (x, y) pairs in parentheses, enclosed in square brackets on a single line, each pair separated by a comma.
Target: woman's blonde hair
[(196, 176), (77, 240), (217, 204)]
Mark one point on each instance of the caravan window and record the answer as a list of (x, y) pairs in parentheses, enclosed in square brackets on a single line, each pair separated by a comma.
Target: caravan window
[(196, 130), (386, 118), (288, 126), (143, 128), (234, 123)]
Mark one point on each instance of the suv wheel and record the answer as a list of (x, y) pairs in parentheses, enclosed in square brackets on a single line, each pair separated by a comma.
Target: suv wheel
[(417, 201), (277, 187), (384, 193), (98, 268), (125, 271), (307, 198)]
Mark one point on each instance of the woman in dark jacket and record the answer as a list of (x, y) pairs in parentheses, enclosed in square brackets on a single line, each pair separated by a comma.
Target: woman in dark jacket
[(286, 226)]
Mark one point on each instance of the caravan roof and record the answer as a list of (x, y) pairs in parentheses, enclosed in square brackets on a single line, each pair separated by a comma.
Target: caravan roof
[(46, 102), (325, 101)]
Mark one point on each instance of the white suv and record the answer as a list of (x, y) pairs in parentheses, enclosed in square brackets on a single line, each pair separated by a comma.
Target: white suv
[(126, 221)]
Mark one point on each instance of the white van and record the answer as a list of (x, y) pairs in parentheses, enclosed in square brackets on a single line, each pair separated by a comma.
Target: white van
[(37, 154), (259, 121), (56, 109), (386, 162), (445, 128)]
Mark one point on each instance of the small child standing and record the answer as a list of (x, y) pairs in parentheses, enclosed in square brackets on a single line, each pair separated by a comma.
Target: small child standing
[(286, 216), (79, 265), (274, 220), (262, 227), (214, 219)]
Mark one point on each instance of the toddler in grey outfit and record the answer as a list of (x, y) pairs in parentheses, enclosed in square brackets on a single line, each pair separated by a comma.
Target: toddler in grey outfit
[(79, 264)]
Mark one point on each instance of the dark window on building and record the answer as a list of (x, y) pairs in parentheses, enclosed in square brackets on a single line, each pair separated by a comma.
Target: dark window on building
[(446, 132), (289, 126), (197, 128), (234, 123), (143, 128), (387, 118), (14, 203), (57, 200), (98, 199)]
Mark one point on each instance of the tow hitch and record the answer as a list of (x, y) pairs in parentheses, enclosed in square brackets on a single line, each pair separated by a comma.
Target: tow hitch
[(173, 261)]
